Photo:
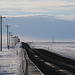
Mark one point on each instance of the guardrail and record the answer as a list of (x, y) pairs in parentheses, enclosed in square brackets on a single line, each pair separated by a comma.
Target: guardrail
[(22, 55), (24, 65)]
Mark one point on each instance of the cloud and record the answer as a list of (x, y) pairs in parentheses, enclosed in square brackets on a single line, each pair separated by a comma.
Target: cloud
[(68, 6), (28, 7), (48, 16), (66, 17), (14, 26), (29, 39), (33, 4)]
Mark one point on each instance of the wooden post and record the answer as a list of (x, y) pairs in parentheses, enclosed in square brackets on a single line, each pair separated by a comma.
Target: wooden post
[(1, 32)]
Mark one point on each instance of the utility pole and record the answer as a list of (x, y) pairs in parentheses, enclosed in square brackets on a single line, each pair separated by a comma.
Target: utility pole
[(9, 40), (7, 35), (1, 31), (53, 39)]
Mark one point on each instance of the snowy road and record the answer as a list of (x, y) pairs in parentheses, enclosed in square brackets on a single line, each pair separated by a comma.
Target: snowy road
[(50, 62), (10, 62), (16, 62)]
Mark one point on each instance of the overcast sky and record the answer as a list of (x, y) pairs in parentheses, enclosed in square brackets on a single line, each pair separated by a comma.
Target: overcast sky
[(29, 7), (40, 19)]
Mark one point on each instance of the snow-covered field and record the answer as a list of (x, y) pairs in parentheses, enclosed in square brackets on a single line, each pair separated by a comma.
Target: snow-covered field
[(66, 49), (11, 62)]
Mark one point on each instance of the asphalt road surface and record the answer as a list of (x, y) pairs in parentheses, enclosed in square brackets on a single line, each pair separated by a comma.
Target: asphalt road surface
[(50, 63)]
